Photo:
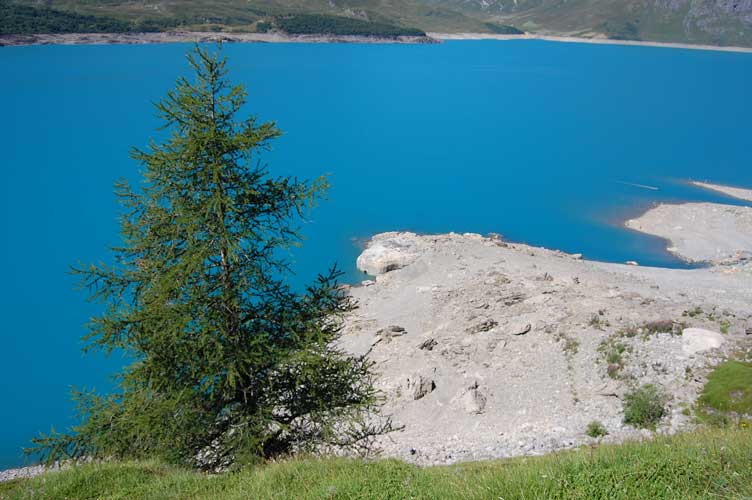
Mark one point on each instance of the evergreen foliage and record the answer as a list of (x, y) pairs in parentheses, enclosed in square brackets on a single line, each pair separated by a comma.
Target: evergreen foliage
[(24, 19), (315, 24), (503, 29), (230, 363)]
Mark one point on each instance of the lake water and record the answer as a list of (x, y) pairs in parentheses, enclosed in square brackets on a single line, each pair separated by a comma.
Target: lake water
[(539, 141)]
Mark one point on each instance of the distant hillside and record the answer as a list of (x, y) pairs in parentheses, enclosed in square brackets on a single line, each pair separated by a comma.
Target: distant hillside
[(389, 16), (718, 22)]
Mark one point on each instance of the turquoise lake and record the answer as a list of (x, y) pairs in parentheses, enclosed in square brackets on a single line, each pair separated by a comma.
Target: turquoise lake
[(542, 142)]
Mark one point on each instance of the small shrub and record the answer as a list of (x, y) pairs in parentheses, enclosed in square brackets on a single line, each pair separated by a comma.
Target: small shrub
[(596, 429), (571, 346), (662, 326), (725, 325), (616, 352), (644, 407), (597, 321), (629, 332), (613, 353), (693, 312)]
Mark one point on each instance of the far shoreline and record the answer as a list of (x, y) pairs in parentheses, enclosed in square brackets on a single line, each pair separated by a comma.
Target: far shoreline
[(594, 40), (228, 37)]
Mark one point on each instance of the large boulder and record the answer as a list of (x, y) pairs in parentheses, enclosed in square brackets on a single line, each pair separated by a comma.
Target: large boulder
[(389, 251), (696, 340)]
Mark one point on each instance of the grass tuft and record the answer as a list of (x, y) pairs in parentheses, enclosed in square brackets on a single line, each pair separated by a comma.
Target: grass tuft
[(727, 395)]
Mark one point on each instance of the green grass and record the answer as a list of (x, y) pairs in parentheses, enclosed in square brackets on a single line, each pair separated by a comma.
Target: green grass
[(728, 390), (704, 464)]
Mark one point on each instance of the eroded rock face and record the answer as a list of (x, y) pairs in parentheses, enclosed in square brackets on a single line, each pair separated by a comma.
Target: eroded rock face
[(388, 252), (423, 387), (696, 340)]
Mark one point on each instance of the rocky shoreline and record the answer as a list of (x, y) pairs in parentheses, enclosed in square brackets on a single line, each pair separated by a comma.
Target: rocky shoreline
[(228, 37), (196, 37), (490, 349), (715, 233)]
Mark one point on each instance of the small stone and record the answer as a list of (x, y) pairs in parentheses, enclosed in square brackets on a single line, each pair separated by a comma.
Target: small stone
[(512, 299), (428, 344), (522, 330), (483, 326), (390, 332)]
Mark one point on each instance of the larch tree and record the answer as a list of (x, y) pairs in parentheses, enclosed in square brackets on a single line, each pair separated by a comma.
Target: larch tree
[(229, 362)]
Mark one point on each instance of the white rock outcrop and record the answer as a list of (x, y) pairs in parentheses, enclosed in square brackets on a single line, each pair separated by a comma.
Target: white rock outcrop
[(388, 252)]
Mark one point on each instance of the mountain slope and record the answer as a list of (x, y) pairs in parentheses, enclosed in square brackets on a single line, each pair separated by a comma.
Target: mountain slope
[(718, 22), (721, 22)]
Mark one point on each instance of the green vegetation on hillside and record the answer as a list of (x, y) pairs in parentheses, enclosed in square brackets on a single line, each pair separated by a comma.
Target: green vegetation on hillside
[(727, 396), (27, 20), (718, 23), (502, 29), (703, 464), (387, 16), (300, 24)]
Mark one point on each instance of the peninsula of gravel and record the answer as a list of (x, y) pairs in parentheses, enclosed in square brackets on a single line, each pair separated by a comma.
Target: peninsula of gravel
[(489, 349)]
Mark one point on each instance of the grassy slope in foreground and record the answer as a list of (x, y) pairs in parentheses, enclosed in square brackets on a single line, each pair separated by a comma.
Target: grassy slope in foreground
[(708, 463)]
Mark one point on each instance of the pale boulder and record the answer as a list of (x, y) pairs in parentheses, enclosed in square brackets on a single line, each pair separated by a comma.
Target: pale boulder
[(388, 252), (696, 340)]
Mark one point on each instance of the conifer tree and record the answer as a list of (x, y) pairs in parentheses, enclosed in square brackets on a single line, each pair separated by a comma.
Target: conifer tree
[(229, 362)]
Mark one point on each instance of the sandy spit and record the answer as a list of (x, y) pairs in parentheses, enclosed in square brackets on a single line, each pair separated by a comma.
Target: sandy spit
[(701, 232), (597, 40), (734, 192)]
